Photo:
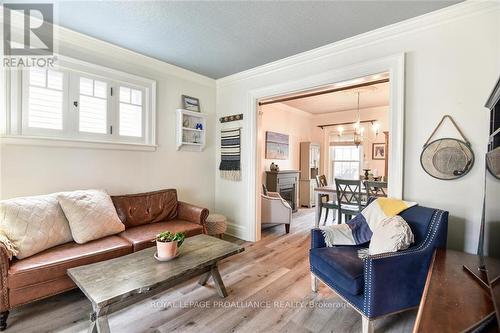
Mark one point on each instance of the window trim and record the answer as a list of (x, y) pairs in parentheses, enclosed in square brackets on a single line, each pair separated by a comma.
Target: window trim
[(13, 131)]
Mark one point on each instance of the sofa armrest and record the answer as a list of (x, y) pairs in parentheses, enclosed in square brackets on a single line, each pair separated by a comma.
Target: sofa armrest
[(4, 269), (317, 239), (192, 213)]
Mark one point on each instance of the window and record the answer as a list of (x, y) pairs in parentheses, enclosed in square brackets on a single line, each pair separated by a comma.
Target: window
[(345, 161), (93, 106), (45, 102), (130, 112), (83, 102)]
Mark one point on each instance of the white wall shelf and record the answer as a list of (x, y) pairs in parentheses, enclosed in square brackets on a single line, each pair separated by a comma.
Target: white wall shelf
[(188, 137)]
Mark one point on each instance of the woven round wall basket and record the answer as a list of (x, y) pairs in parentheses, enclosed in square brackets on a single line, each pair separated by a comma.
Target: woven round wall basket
[(447, 158)]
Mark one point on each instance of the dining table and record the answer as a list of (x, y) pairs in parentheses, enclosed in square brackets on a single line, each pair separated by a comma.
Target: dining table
[(331, 190)]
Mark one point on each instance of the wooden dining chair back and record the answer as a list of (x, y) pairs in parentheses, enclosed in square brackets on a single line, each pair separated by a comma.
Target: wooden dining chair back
[(327, 204), (321, 181), (349, 197), (375, 188)]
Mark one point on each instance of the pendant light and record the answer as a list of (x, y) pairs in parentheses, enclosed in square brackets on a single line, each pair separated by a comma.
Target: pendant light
[(358, 131)]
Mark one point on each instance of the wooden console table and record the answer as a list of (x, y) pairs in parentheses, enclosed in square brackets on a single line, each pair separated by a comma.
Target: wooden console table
[(452, 300)]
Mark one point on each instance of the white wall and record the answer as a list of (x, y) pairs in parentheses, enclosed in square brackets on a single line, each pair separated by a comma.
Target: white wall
[(452, 63), (30, 170)]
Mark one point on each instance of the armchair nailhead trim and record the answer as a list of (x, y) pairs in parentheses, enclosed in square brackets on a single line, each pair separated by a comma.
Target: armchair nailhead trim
[(429, 239)]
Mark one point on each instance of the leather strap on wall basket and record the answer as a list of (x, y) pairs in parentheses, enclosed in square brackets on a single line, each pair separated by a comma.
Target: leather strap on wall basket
[(447, 158)]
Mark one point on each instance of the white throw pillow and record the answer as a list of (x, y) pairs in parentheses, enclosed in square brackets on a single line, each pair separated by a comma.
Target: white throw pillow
[(393, 234), (33, 224), (91, 214)]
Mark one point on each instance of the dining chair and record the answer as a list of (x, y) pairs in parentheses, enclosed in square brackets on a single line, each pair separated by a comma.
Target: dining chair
[(349, 198), (321, 182), (375, 188)]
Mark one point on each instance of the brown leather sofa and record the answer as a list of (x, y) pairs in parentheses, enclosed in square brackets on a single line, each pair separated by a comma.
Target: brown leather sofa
[(144, 216)]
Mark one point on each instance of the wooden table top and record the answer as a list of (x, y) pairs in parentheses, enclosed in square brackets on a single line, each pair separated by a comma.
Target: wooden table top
[(452, 300), (109, 281), (326, 189)]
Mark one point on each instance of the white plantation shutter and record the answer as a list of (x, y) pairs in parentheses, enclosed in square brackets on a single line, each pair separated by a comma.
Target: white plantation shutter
[(93, 106), (130, 112), (83, 102), (45, 99)]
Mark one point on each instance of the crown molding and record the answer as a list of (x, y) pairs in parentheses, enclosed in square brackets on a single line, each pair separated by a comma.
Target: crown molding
[(103, 49), (419, 23)]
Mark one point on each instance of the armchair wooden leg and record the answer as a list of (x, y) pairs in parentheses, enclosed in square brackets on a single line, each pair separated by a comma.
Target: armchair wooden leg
[(3, 320), (326, 216), (314, 283), (287, 228), (367, 325)]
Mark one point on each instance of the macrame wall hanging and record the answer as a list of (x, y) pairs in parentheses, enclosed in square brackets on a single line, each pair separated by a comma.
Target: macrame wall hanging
[(230, 164), (447, 158)]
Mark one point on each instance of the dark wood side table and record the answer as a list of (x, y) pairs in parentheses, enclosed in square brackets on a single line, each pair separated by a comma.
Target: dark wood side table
[(452, 300)]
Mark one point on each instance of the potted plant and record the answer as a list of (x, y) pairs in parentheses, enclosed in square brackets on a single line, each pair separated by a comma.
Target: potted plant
[(168, 243)]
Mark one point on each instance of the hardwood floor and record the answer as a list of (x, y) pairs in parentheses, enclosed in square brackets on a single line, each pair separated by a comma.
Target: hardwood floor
[(269, 291)]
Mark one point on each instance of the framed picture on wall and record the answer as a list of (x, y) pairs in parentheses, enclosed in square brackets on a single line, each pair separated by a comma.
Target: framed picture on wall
[(190, 103), (378, 151), (276, 146)]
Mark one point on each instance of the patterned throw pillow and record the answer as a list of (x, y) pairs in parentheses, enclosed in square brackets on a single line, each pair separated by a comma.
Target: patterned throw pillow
[(33, 224), (391, 235), (91, 214)]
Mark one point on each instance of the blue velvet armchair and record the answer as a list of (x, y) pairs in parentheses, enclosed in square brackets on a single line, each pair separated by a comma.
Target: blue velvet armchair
[(381, 284)]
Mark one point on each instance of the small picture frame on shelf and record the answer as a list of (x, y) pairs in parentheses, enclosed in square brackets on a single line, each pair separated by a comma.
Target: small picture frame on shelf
[(191, 103)]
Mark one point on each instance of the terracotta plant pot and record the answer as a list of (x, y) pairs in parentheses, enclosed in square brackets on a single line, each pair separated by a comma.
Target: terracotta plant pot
[(166, 250)]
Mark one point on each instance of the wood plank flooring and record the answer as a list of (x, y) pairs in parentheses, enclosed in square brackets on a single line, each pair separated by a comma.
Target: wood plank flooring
[(269, 291)]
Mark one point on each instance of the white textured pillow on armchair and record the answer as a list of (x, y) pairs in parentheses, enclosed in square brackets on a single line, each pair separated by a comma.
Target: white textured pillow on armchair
[(91, 214), (393, 234), (29, 225)]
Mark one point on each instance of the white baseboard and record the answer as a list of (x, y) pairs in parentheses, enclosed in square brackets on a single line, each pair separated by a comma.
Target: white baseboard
[(236, 230)]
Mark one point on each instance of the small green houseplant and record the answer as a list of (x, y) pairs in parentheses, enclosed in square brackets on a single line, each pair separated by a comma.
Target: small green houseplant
[(168, 243)]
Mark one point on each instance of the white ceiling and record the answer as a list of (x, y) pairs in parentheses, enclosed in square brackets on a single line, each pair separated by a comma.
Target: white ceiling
[(371, 96), (219, 38)]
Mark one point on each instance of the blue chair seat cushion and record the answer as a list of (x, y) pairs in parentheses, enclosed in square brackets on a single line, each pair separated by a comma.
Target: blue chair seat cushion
[(341, 265)]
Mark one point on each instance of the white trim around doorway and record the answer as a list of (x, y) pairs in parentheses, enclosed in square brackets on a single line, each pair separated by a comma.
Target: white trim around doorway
[(394, 65)]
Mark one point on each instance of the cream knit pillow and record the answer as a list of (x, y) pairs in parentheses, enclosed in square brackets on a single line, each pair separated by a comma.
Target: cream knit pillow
[(32, 224), (91, 214), (391, 235)]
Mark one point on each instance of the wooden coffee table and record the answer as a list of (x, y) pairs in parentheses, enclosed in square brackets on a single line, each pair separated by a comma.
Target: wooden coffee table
[(116, 283)]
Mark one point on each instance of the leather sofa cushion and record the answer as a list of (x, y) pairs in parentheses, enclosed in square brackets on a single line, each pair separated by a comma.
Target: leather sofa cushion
[(341, 265), (41, 290), (142, 236), (145, 208), (53, 263)]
